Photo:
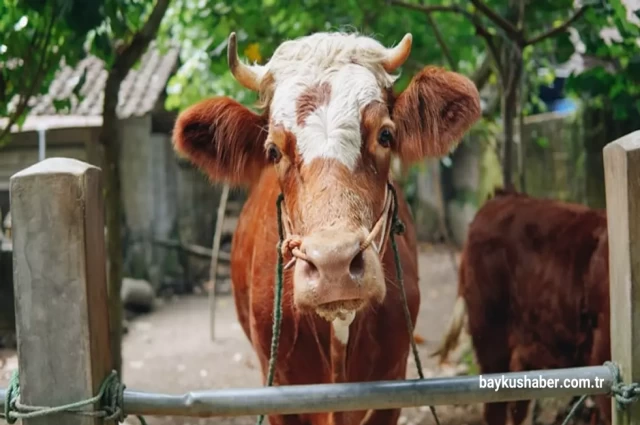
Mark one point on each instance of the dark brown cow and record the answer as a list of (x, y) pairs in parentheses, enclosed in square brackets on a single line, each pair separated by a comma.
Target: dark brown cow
[(325, 138), (534, 287)]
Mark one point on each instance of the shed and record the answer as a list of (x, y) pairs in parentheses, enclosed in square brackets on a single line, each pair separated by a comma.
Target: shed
[(164, 197)]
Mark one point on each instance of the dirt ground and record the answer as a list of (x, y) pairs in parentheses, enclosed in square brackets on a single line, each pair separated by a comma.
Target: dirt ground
[(170, 351)]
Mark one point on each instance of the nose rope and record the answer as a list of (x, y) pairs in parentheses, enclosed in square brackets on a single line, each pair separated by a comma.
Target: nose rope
[(291, 243), (284, 244)]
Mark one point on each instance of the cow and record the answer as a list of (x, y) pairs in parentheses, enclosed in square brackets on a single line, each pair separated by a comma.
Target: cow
[(533, 290), (329, 122)]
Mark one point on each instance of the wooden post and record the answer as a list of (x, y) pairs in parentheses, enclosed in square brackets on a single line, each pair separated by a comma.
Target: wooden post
[(622, 183), (60, 285), (215, 254)]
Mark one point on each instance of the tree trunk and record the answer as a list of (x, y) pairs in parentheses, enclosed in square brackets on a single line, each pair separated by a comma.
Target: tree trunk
[(512, 75), (508, 115), (522, 152), (110, 143)]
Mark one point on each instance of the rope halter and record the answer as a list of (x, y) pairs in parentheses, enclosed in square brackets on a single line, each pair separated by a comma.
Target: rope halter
[(377, 236)]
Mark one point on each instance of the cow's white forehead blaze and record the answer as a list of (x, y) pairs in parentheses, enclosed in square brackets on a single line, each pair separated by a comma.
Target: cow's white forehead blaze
[(350, 66)]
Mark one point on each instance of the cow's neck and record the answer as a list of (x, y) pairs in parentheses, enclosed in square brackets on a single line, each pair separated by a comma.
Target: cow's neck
[(339, 341)]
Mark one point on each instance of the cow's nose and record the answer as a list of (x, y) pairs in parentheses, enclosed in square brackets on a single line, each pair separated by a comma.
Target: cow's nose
[(333, 259), (333, 270)]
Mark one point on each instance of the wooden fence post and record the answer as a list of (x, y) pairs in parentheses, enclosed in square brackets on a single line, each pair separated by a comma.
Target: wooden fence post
[(60, 285), (622, 182)]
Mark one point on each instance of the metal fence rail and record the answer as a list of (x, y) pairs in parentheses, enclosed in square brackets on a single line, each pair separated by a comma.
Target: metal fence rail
[(297, 399)]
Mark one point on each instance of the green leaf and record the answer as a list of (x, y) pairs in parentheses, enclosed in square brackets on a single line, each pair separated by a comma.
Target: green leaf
[(543, 142), (81, 82), (564, 47), (62, 105)]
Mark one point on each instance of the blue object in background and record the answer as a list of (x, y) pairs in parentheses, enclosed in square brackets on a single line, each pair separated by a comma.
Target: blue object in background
[(563, 105)]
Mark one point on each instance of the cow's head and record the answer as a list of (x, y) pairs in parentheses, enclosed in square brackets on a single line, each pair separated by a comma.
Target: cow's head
[(329, 127)]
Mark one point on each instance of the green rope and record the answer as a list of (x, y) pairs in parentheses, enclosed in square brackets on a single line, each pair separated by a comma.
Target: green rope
[(110, 398), (624, 394), (574, 409), (398, 228), (277, 303)]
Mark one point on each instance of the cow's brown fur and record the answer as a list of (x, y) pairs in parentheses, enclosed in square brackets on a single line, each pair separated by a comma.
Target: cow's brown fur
[(230, 143), (310, 99), (534, 278)]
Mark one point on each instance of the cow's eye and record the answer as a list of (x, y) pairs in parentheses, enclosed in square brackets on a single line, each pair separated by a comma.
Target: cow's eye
[(385, 137), (273, 153)]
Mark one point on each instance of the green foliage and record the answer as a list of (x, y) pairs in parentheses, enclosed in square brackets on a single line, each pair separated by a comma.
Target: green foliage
[(36, 36), (615, 80), (41, 35), (202, 26), (469, 360), (122, 19)]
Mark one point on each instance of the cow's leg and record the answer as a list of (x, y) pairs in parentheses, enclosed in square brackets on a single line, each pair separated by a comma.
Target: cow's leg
[(492, 354), (519, 409)]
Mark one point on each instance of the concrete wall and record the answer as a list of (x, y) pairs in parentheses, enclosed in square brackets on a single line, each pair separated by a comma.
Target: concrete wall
[(555, 157), (556, 166), (164, 198)]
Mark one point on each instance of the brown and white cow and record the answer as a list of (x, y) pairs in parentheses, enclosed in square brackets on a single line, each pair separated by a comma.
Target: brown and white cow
[(329, 125), (534, 288)]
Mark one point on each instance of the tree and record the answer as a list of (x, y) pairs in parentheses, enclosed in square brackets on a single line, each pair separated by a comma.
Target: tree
[(508, 28), (42, 33), (36, 36), (609, 89), (615, 80), (261, 25), (120, 43)]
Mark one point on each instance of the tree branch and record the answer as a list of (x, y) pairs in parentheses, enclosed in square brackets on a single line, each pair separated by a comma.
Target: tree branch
[(443, 45), (133, 51), (557, 30), (497, 19), (25, 93), (428, 9), (481, 75), (473, 19)]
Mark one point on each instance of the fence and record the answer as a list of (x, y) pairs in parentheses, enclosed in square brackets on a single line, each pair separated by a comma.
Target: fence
[(62, 317)]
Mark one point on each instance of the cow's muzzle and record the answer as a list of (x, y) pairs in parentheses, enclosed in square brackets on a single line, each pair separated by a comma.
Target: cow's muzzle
[(337, 271)]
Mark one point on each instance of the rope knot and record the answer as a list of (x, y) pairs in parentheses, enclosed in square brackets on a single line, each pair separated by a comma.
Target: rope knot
[(110, 400), (398, 226), (626, 394)]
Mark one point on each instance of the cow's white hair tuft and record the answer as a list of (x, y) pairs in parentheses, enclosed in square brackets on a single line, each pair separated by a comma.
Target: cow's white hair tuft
[(325, 51), (352, 64)]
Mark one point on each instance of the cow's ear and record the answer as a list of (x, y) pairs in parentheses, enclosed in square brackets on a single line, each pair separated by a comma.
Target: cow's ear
[(433, 113), (223, 138)]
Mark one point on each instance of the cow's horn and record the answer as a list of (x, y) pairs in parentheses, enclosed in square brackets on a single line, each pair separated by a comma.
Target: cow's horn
[(244, 74), (396, 56)]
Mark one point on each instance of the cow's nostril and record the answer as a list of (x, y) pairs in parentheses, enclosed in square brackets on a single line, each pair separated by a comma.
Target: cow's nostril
[(309, 270), (356, 268)]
